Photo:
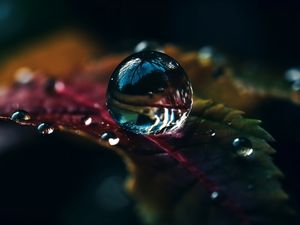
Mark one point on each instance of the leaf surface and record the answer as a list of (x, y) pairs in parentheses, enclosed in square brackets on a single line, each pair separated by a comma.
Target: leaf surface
[(193, 176)]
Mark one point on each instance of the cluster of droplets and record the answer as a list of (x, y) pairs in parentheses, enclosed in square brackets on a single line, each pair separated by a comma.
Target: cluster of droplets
[(23, 117)]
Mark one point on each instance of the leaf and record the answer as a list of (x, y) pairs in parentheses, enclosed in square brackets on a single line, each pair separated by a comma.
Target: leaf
[(252, 83), (191, 177)]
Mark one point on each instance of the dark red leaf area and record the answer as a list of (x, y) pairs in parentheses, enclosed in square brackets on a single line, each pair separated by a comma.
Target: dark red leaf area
[(67, 105)]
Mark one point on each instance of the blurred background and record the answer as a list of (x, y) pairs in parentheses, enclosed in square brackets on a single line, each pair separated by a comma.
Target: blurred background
[(54, 180)]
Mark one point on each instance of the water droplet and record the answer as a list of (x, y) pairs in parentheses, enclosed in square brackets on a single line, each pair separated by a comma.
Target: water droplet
[(292, 74), (128, 94), (216, 196), (45, 128), (20, 116), (211, 133), (243, 146), (87, 121), (53, 86), (296, 85), (23, 75), (110, 137), (208, 55), (147, 46)]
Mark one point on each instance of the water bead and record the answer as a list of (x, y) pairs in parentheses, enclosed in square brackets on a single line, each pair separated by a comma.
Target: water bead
[(243, 146), (45, 128), (147, 46), (20, 116), (292, 74), (149, 93), (54, 86), (87, 121), (24, 75), (110, 137), (217, 196), (210, 56)]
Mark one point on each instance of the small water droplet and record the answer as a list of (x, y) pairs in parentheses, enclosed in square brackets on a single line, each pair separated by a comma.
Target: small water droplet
[(24, 75), (243, 146), (216, 196), (296, 85), (110, 137), (292, 74), (20, 116), (145, 81), (147, 46), (45, 128), (211, 133), (87, 121), (53, 86), (208, 55)]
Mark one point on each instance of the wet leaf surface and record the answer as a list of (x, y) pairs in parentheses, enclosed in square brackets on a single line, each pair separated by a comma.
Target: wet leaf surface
[(195, 175)]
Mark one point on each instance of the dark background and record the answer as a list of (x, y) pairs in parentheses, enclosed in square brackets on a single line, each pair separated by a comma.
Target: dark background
[(44, 180), (251, 29)]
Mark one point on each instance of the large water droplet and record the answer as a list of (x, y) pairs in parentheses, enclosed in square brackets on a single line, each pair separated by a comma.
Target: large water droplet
[(45, 128), (211, 133), (110, 137), (131, 105), (243, 146), (20, 116), (147, 46)]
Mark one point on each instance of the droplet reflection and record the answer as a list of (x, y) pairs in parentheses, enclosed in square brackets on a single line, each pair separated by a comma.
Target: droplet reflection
[(149, 93), (243, 146), (45, 128), (110, 137), (20, 116)]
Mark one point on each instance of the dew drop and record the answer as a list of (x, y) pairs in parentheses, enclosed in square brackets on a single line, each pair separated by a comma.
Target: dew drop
[(110, 137), (243, 146), (147, 46), (216, 196), (53, 86), (20, 116), (169, 101), (45, 128), (211, 133), (87, 121), (296, 85), (23, 75), (209, 56), (292, 74)]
